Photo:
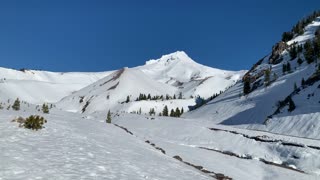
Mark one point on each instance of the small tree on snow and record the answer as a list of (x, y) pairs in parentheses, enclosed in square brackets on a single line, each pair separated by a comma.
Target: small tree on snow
[(108, 117), (292, 105), (165, 111), (16, 105), (128, 99), (45, 108)]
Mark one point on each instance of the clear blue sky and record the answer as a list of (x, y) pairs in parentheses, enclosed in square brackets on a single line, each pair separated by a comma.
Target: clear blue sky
[(98, 35)]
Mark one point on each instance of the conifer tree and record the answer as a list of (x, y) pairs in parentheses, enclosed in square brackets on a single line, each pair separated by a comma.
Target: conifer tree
[(284, 68), (293, 52), (152, 112), (180, 95), (16, 105), (172, 113), (267, 77), (246, 86), (182, 111), (128, 99), (309, 52), (303, 82), (288, 67), (45, 108), (108, 117), (299, 61), (177, 113), (292, 105), (165, 111)]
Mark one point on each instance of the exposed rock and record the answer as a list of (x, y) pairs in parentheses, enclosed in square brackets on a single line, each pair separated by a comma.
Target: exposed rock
[(276, 52)]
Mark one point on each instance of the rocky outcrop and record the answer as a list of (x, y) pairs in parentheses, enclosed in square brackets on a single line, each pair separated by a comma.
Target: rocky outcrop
[(276, 52)]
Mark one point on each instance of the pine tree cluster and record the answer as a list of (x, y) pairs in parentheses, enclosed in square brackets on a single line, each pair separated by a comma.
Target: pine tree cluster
[(298, 29), (173, 113), (286, 67)]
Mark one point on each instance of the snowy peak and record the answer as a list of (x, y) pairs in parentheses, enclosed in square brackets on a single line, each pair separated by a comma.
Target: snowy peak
[(178, 67), (173, 57)]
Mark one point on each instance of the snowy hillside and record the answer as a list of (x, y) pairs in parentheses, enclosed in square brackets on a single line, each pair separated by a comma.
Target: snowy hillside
[(173, 75), (42, 86), (112, 91), (72, 146), (261, 108)]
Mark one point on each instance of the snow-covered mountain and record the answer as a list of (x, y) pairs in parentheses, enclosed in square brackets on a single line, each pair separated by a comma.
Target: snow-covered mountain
[(172, 75), (42, 86), (265, 125), (192, 79), (265, 107)]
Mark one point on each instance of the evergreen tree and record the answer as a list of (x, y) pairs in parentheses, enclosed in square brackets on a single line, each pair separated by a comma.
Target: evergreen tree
[(267, 77), (303, 82), (139, 112), (180, 95), (16, 105), (287, 36), (174, 96), (246, 86), (288, 67), (295, 87), (182, 111), (45, 108), (284, 68), (299, 61), (152, 112), (108, 117), (292, 105), (293, 52), (149, 97), (172, 113), (309, 52), (128, 99), (165, 111), (178, 113)]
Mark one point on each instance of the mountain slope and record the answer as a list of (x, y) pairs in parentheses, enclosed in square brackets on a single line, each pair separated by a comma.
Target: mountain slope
[(260, 109), (112, 91)]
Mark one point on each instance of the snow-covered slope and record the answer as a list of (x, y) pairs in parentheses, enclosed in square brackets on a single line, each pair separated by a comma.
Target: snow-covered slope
[(42, 86), (112, 91), (179, 70), (257, 109), (171, 75)]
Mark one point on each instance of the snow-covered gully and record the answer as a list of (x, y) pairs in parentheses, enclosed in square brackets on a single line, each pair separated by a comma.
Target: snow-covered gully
[(218, 176), (266, 139)]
